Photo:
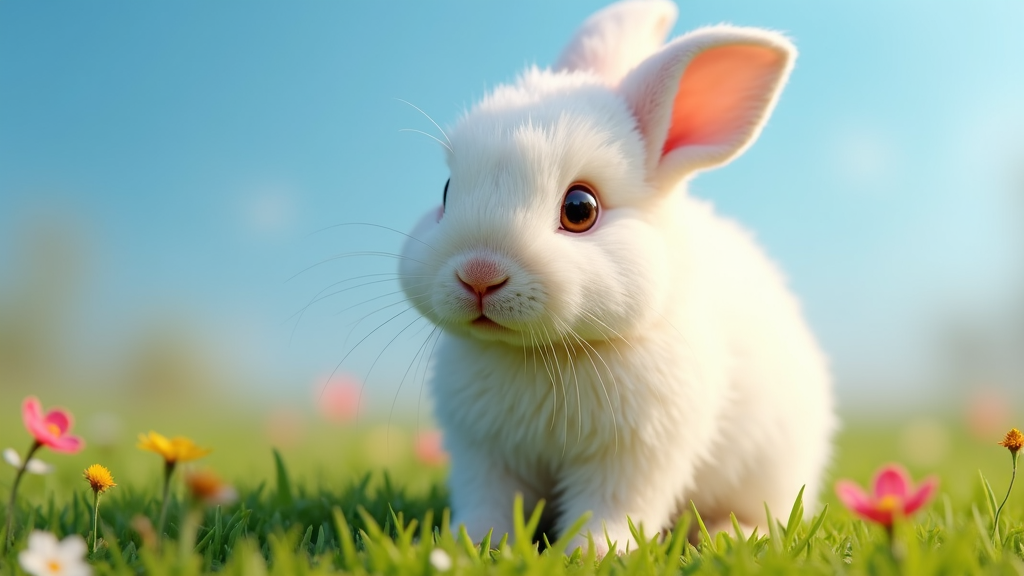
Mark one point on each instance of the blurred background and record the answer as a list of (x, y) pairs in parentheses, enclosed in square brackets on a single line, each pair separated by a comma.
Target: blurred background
[(173, 178)]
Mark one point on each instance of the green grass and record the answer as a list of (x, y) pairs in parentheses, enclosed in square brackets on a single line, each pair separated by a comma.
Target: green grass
[(353, 499)]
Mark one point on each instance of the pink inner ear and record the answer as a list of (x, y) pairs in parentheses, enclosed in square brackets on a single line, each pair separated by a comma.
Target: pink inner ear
[(721, 94)]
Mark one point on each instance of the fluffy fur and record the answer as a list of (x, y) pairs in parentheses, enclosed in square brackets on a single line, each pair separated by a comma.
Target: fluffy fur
[(655, 359)]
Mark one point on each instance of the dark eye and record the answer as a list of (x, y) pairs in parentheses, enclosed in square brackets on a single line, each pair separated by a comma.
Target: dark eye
[(444, 198), (579, 209)]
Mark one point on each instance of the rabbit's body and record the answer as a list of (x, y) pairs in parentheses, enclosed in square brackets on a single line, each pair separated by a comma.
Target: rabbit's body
[(721, 399), (652, 359)]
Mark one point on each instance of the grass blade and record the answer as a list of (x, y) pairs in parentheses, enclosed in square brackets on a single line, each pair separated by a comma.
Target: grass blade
[(796, 516), (485, 546), (284, 485), (569, 534), (307, 540), (345, 541), (806, 540), (990, 497), (986, 544), (705, 537), (773, 531), (524, 530)]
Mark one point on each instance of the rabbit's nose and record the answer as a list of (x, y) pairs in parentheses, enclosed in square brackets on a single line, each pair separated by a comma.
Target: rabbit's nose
[(482, 276), (485, 288)]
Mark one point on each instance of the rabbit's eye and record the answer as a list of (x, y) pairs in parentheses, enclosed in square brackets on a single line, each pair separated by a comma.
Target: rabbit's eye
[(444, 198), (579, 208)]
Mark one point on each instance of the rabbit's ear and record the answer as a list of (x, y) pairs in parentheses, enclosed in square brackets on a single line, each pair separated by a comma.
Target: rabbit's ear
[(614, 40), (703, 99)]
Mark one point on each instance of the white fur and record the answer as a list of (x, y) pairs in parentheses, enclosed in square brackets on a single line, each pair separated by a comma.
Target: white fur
[(657, 358), (617, 38)]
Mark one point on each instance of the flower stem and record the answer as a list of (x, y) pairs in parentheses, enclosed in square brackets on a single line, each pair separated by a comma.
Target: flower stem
[(995, 522), (8, 531), (168, 470), (95, 518)]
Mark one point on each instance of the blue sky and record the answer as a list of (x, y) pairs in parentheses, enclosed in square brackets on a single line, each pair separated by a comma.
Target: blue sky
[(197, 146)]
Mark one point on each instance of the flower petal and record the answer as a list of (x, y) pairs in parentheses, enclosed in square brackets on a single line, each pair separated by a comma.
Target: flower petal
[(42, 542), (860, 503), (157, 443), (67, 444), (440, 560), (32, 415), (38, 467), (31, 410), (921, 497), (892, 480), (852, 496), (72, 549), (186, 450), (59, 418), (32, 562), (11, 457), (80, 569), (883, 517)]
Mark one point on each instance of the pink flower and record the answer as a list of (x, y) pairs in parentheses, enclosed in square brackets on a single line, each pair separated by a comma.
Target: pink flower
[(338, 399), (50, 429), (893, 493), (429, 448)]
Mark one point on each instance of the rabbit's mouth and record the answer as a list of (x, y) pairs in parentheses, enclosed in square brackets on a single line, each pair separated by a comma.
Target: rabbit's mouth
[(485, 323)]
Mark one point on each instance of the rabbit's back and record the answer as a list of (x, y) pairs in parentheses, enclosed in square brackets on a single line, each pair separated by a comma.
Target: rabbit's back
[(777, 407)]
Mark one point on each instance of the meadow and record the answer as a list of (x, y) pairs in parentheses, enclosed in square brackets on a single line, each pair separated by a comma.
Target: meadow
[(362, 496), (171, 174)]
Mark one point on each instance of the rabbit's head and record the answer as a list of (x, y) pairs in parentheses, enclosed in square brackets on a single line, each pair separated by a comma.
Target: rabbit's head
[(557, 221)]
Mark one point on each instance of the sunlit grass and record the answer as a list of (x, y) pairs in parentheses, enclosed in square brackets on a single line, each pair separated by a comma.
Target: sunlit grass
[(352, 497)]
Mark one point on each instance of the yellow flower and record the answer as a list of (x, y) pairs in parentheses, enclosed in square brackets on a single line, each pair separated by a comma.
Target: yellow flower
[(208, 488), (174, 450), (99, 478), (1014, 441)]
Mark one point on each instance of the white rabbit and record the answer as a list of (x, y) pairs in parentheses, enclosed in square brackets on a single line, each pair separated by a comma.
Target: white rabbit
[(611, 344)]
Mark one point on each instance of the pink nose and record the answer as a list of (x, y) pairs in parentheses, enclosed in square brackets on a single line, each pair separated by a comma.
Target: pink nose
[(482, 276), (484, 288)]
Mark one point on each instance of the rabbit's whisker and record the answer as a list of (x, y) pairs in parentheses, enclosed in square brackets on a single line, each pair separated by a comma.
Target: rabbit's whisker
[(575, 377), (421, 328), (554, 391), (526, 362), (351, 255), (611, 343), (347, 336), (595, 321), (361, 340), (611, 408), (320, 296), (561, 380), (355, 324), (434, 138), (379, 296), (394, 276), (420, 110), (422, 352), (382, 227), (426, 367), (366, 378), (419, 352), (579, 395)]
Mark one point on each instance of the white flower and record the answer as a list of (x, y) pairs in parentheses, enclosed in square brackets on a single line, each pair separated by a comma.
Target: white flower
[(34, 466), (45, 556), (440, 559)]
